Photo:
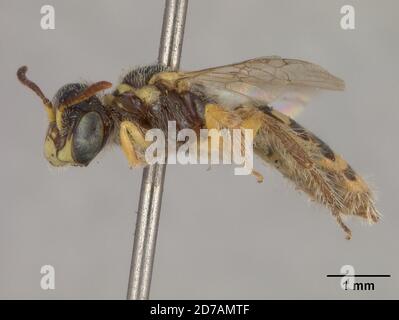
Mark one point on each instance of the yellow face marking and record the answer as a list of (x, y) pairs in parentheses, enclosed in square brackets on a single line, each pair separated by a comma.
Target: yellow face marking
[(50, 112), (65, 154), (50, 152), (57, 157), (58, 117)]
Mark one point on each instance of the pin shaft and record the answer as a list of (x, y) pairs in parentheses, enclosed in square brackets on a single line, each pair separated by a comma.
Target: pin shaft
[(148, 215)]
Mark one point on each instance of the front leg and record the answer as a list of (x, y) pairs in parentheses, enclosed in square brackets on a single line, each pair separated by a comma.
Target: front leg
[(133, 144)]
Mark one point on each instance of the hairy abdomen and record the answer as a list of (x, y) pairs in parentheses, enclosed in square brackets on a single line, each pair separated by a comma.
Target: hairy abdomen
[(313, 167)]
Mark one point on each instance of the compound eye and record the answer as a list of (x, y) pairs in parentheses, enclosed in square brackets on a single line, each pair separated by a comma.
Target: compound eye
[(88, 137)]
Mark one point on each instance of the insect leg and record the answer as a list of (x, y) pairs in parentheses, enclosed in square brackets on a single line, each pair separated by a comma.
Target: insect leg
[(253, 121), (132, 139), (343, 226), (216, 117)]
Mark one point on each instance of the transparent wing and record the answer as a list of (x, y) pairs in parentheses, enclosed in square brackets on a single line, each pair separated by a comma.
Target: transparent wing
[(283, 83)]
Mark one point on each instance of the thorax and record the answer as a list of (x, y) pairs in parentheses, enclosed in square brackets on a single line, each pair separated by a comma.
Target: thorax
[(152, 106)]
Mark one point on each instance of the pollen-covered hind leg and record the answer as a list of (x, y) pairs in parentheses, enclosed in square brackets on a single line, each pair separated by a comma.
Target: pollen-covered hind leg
[(132, 140)]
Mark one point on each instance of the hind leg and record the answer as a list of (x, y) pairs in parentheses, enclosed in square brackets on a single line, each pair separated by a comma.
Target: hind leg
[(216, 117), (343, 226)]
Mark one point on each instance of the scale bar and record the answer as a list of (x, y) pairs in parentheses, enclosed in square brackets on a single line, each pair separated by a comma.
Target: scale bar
[(359, 275)]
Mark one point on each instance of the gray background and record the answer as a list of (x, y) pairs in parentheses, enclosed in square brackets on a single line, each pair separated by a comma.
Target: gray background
[(221, 236)]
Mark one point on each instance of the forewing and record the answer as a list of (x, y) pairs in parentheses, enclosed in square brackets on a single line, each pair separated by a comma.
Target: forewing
[(263, 80)]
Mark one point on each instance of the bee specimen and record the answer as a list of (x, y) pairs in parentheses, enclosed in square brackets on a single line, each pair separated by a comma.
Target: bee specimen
[(243, 95)]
